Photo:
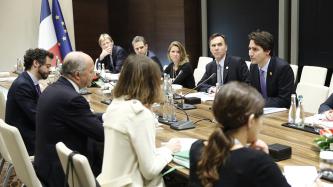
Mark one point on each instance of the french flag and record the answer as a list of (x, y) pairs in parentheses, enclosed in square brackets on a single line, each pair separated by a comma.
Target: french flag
[(47, 37)]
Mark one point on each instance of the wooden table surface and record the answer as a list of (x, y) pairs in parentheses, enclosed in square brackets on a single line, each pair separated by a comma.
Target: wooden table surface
[(304, 151)]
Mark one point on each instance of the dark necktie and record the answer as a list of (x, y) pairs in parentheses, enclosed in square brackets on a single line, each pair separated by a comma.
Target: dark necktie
[(38, 89), (263, 84)]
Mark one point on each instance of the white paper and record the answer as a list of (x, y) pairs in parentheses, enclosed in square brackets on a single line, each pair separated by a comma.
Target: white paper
[(7, 79), (320, 120), (202, 95), (111, 76), (270, 110), (300, 176), (186, 143), (4, 74)]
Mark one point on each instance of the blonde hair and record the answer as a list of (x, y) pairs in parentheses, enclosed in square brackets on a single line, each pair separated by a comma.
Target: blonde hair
[(103, 37), (139, 79), (183, 55)]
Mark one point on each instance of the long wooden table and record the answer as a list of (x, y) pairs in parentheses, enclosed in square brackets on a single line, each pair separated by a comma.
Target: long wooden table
[(304, 151)]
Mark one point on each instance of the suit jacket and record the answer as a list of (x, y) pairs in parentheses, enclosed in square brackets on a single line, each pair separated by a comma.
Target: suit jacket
[(21, 109), (63, 115), (183, 75), (279, 82), (327, 105), (235, 69), (118, 57), (152, 56)]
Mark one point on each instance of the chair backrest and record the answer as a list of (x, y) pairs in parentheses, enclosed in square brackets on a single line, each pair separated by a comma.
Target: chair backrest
[(313, 96), (295, 69), (3, 148), (313, 75), (203, 61), (2, 105), (248, 63), (83, 176), (197, 74), (19, 155)]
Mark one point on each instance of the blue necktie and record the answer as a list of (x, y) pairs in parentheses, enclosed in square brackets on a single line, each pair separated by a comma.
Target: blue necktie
[(263, 84), (38, 89)]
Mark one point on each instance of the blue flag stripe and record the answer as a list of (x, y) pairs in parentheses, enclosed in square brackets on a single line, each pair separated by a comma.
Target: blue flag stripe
[(60, 29), (45, 10)]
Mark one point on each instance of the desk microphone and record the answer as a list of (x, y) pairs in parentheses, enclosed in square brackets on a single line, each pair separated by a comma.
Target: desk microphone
[(192, 100), (182, 124)]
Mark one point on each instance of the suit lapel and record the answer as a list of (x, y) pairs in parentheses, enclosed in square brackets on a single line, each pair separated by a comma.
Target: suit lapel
[(269, 76), (31, 82), (255, 76), (226, 68)]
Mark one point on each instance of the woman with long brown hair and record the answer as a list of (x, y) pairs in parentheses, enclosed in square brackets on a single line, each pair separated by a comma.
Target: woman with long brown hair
[(180, 70), (130, 155), (233, 156)]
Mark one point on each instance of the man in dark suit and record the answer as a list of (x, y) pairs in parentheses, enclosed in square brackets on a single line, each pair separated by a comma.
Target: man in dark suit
[(24, 93), (140, 46), (63, 115), (227, 68), (112, 56), (271, 76)]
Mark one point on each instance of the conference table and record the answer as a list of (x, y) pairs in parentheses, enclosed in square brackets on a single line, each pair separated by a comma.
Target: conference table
[(304, 150)]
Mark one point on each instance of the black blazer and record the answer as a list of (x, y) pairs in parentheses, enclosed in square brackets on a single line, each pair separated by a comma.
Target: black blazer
[(21, 109), (183, 75), (279, 82), (118, 57), (235, 69), (63, 115), (327, 105)]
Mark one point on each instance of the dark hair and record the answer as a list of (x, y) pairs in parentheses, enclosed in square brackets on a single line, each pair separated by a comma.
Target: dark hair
[(140, 79), (232, 107), (36, 54), (217, 35), (264, 39)]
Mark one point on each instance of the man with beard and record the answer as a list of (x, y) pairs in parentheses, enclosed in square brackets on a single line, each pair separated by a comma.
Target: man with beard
[(24, 93)]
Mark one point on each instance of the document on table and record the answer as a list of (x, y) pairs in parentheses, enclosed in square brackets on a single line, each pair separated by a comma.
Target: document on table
[(299, 176), (183, 156), (270, 110), (320, 120), (202, 95)]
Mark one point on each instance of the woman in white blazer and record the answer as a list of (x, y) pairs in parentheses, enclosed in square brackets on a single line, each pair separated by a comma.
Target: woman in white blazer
[(130, 155)]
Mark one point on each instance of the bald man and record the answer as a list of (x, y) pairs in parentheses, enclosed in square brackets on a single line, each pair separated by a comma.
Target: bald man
[(63, 115)]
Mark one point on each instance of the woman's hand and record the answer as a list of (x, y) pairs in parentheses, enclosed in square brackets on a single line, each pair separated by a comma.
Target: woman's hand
[(260, 145), (329, 115)]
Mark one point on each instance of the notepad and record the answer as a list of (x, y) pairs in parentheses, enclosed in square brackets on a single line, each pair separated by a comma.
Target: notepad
[(183, 156), (300, 176)]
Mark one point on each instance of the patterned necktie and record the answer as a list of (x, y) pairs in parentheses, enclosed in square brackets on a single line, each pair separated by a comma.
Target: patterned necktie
[(38, 89), (263, 84), (111, 64)]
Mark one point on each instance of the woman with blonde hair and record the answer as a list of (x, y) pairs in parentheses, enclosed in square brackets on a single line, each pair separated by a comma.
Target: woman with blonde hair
[(130, 155), (233, 156), (180, 70)]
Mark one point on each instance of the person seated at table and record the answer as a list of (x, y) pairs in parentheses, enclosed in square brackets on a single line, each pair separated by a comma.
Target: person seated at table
[(327, 107), (129, 124), (180, 70), (112, 56), (233, 156)]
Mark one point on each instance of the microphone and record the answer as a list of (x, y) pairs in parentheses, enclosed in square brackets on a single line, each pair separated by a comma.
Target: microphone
[(182, 124), (192, 100)]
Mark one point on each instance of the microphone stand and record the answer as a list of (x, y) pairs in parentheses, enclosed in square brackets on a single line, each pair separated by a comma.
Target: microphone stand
[(182, 124)]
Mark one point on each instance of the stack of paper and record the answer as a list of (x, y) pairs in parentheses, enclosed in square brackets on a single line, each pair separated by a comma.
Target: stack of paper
[(300, 176), (319, 120), (202, 95), (183, 156)]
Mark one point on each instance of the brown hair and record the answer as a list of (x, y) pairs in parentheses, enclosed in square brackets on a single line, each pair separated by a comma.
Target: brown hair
[(183, 54), (264, 39), (232, 107), (139, 79)]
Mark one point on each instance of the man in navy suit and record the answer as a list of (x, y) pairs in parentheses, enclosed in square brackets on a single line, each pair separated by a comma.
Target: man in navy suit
[(24, 93), (140, 46), (271, 76), (112, 56), (227, 68), (63, 115)]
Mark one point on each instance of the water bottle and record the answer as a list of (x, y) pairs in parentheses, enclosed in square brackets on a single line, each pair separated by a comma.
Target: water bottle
[(292, 110), (300, 112), (103, 71), (168, 107)]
